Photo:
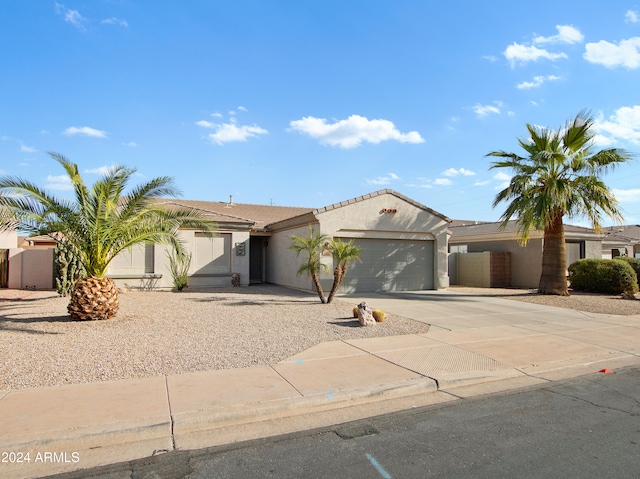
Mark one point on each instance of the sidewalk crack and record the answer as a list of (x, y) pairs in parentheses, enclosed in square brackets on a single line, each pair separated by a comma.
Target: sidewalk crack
[(173, 437)]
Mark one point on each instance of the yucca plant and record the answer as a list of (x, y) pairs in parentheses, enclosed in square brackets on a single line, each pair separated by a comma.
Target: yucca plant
[(179, 264), (99, 223)]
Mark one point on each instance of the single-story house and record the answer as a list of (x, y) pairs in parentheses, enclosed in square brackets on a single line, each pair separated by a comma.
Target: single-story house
[(404, 245), (523, 263), (621, 240)]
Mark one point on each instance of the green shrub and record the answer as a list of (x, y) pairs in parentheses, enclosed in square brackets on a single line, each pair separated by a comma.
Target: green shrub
[(603, 276), (633, 262)]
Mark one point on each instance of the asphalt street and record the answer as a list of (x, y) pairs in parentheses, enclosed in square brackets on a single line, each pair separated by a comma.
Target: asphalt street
[(587, 427)]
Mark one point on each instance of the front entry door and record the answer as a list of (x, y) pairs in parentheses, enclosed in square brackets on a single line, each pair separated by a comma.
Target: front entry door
[(256, 258)]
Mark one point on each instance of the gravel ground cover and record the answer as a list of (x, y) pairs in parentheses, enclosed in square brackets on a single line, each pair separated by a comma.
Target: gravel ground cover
[(588, 302), (164, 333)]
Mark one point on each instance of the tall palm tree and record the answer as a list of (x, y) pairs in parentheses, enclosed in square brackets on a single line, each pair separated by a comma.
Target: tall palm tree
[(560, 176), (98, 223), (343, 253), (312, 246)]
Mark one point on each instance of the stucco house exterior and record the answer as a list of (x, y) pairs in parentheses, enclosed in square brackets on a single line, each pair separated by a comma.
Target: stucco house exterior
[(525, 261), (404, 245), (623, 240)]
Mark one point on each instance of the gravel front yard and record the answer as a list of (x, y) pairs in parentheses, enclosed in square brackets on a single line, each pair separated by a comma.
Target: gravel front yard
[(588, 302), (163, 333)]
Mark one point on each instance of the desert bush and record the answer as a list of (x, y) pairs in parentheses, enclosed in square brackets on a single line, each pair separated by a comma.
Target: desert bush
[(603, 276), (379, 315), (633, 262)]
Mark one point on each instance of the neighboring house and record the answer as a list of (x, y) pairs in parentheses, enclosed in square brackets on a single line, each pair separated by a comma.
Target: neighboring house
[(621, 241), (404, 245), (525, 262)]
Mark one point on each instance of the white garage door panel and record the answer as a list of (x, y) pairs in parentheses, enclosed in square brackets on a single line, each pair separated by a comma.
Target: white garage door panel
[(391, 265)]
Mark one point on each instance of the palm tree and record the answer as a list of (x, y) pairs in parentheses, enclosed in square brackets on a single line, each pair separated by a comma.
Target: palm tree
[(98, 223), (343, 253), (560, 176), (311, 246)]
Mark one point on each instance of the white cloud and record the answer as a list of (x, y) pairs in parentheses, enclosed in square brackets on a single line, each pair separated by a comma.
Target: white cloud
[(442, 181), (71, 16), (631, 16), (115, 21), (59, 183), (517, 53), (504, 180), (625, 54), (627, 196), (482, 183), (484, 110), (624, 125), (353, 131), (537, 82), (131, 144), (102, 170), (566, 34), (26, 149), (228, 132), (241, 108), (384, 180), (216, 115), (85, 131), (491, 58), (460, 171)]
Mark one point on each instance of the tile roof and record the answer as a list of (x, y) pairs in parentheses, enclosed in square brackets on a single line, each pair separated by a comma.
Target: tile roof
[(257, 215), (460, 228)]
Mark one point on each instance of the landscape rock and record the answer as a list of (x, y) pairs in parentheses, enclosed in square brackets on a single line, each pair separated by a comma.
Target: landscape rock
[(365, 315)]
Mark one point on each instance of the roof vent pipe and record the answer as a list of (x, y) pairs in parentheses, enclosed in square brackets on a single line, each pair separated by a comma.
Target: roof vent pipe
[(230, 200)]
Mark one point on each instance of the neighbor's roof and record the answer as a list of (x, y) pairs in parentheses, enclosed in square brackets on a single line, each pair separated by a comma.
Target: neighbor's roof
[(628, 233), (460, 228)]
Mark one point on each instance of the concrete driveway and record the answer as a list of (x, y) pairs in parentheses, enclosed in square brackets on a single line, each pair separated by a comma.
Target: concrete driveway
[(454, 311)]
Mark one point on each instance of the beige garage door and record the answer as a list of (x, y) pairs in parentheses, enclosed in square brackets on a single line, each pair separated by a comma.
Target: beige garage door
[(391, 265)]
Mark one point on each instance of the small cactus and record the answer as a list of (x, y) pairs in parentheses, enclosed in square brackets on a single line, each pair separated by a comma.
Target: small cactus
[(355, 311), (379, 315)]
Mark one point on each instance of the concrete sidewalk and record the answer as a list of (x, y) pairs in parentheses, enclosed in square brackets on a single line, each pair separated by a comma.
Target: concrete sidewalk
[(476, 345)]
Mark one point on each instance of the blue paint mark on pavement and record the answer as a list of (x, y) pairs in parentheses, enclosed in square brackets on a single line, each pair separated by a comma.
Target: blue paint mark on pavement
[(378, 467), (330, 395), (300, 361)]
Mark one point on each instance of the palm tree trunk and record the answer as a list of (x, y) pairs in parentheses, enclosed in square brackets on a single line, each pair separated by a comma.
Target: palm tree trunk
[(337, 280), (316, 282), (553, 279)]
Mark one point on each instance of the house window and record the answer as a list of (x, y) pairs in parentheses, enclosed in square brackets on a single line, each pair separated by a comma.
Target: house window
[(457, 248), (212, 254), (137, 259)]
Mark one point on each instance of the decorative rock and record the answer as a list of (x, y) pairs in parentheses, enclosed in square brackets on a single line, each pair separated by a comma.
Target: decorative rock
[(365, 315)]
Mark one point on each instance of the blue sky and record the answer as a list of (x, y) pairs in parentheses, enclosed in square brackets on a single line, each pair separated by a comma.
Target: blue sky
[(307, 103)]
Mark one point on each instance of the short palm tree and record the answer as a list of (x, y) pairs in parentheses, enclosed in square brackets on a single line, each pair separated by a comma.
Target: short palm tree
[(559, 177), (311, 246), (98, 223), (343, 253)]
